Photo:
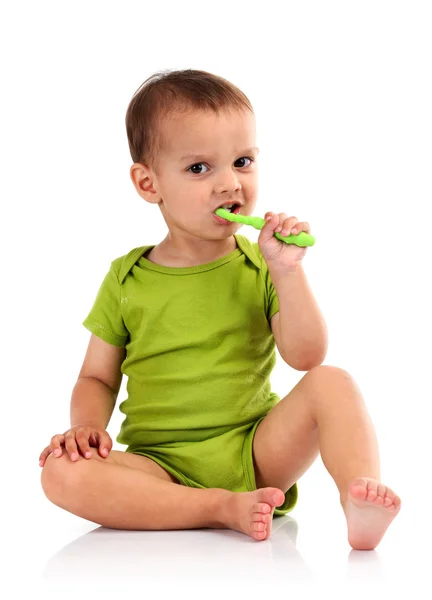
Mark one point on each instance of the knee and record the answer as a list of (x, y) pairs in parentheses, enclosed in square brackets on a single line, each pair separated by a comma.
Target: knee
[(326, 382), (328, 387), (329, 371), (59, 476)]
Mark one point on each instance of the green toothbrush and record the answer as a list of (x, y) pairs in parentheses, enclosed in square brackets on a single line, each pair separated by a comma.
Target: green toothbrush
[(301, 239)]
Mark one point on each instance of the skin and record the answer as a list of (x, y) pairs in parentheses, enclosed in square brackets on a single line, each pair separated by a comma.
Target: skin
[(187, 196), (299, 426), (325, 412)]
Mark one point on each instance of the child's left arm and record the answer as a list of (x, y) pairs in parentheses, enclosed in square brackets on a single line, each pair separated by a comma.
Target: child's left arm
[(299, 327)]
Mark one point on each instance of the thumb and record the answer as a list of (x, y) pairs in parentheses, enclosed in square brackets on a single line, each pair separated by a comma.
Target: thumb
[(267, 232)]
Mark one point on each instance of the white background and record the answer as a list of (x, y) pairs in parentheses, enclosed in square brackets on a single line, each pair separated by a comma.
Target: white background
[(342, 94)]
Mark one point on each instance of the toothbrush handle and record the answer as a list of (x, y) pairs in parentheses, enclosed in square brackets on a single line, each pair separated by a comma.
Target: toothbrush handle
[(302, 239), (256, 222)]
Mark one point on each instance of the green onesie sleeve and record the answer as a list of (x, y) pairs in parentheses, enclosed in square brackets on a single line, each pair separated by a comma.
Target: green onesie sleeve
[(272, 299), (271, 302), (105, 318)]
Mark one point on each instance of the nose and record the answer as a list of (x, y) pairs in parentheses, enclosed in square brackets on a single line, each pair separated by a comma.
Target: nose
[(228, 182)]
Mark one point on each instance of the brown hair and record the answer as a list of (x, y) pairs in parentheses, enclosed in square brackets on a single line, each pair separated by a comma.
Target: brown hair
[(170, 93)]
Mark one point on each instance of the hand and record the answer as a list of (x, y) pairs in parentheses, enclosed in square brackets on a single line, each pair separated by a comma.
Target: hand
[(80, 437), (278, 254)]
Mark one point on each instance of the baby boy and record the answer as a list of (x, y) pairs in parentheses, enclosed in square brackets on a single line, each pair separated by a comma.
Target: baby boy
[(194, 323)]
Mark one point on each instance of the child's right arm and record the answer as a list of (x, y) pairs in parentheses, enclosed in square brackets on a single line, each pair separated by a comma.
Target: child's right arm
[(95, 393), (93, 400)]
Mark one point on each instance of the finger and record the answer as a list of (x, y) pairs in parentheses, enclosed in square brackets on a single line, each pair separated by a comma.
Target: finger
[(267, 232), (270, 218), (71, 447), (56, 444), (301, 227), (43, 456), (82, 437), (105, 444), (93, 440), (287, 224), (283, 218)]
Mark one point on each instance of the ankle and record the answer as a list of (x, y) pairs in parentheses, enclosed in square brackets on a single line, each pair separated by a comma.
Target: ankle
[(218, 509)]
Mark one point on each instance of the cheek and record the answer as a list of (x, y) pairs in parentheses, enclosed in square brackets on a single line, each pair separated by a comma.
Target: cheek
[(250, 183)]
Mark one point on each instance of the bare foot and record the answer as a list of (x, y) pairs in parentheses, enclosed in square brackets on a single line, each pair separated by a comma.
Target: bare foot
[(369, 509), (252, 512)]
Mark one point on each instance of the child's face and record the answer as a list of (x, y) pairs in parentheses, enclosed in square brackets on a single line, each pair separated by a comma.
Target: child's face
[(188, 190)]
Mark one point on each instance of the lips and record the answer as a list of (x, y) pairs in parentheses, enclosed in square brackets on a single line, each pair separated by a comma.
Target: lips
[(236, 209)]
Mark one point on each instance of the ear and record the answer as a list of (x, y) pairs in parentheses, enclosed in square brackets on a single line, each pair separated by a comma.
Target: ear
[(143, 179)]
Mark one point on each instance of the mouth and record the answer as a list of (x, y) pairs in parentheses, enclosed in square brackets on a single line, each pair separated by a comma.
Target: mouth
[(233, 207)]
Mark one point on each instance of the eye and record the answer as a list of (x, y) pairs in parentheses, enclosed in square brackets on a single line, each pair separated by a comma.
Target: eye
[(196, 165), (199, 164), (246, 158)]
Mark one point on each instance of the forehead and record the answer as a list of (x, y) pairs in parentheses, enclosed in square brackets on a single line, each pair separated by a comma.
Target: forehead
[(208, 132)]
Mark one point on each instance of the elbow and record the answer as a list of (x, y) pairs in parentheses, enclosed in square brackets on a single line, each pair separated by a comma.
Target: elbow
[(314, 353), (307, 366), (303, 366), (306, 363)]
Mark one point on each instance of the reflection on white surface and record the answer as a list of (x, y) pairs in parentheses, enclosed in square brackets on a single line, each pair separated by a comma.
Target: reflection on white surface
[(364, 566), (219, 554)]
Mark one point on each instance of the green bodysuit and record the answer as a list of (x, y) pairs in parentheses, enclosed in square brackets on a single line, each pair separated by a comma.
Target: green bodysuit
[(199, 353)]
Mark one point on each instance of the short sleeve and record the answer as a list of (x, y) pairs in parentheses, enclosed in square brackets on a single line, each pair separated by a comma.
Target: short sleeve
[(272, 299), (105, 318)]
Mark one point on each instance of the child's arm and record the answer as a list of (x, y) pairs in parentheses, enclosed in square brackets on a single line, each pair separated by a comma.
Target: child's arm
[(93, 399), (95, 392)]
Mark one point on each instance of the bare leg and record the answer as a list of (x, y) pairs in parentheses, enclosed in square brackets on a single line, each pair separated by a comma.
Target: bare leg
[(349, 450), (326, 412), (121, 497)]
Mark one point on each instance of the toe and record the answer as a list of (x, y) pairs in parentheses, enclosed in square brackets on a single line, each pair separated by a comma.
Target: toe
[(372, 488), (390, 494), (260, 517), (261, 508), (271, 496), (278, 498), (394, 505), (381, 493), (358, 488)]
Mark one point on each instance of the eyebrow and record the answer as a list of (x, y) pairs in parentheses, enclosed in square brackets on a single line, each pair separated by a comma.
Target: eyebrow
[(198, 156)]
